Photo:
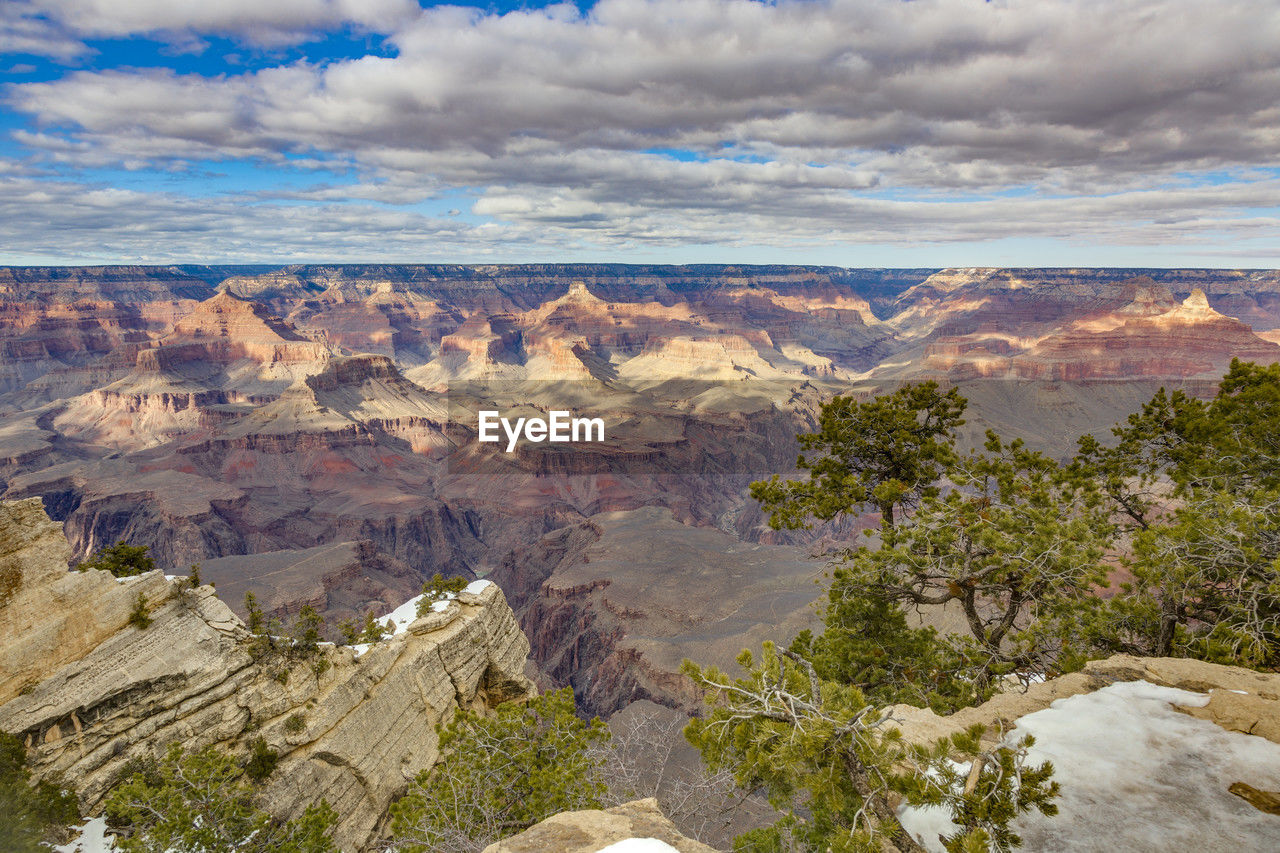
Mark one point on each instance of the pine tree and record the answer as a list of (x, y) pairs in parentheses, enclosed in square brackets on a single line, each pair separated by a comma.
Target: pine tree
[(200, 802), (831, 763), (121, 559), (138, 617), (885, 453), (500, 774), (256, 623), (306, 630)]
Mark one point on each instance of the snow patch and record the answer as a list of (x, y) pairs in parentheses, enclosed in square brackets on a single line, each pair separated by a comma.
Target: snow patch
[(639, 845), (1136, 774), (405, 615), (402, 616), (91, 838), (477, 587)]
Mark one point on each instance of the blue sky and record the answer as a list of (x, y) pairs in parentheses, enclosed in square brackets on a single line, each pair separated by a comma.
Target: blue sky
[(849, 132)]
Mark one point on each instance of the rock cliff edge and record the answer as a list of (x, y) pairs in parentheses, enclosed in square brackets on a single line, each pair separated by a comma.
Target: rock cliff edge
[(87, 691)]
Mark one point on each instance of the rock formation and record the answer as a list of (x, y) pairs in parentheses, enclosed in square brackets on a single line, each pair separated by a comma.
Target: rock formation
[(216, 413), (88, 692), (1240, 700), (591, 830)]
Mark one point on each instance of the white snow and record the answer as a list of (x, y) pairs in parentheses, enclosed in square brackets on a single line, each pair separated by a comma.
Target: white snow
[(92, 838), (477, 587), (639, 845), (404, 615), (1137, 775)]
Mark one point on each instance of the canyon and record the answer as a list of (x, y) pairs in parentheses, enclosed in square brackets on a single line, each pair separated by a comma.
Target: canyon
[(310, 433)]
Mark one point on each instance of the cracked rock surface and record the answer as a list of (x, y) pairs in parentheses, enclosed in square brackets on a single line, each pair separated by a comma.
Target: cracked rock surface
[(87, 691)]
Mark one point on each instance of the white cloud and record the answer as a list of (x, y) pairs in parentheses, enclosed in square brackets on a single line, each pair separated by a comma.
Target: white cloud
[(23, 31), (803, 116), (262, 22), (63, 221)]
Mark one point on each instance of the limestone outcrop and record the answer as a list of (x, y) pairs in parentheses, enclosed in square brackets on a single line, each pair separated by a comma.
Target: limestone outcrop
[(591, 830), (1240, 700), (88, 692), (50, 617)]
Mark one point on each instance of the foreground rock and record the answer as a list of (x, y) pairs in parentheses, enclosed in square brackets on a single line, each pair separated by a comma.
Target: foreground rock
[(592, 830), (1150, 754), (89, 692), (1240, 700)]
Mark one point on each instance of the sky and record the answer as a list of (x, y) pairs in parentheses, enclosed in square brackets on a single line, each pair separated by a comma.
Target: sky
[(858, 133)]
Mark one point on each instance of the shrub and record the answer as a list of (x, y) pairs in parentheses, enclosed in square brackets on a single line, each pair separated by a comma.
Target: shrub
[(262, 760), (501, 774), (121, 559), (138, 618), (306, 631), (200, 801), (439, 588), (32, 814)]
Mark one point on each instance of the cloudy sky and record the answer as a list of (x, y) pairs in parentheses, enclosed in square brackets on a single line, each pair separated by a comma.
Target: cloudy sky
[(849, 132)]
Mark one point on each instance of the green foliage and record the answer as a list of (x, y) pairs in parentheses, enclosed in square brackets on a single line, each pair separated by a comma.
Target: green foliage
[(884, 453), (121, 559), (1178, 444), (262, 760), (439, 588), (1195, 487), (296, 723), (349, 630), (983, 806), (369, 631), (1187, 498), (372, 630), (31, 814), (826, 758), (256, 623), (867, 643), (138, 617), (200, 803), (305, 632), (193, 577), (1018, 538), (1206, 584), (501, 774)]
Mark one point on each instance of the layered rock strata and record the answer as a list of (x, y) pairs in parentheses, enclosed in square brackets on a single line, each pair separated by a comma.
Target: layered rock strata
[(88, 692)]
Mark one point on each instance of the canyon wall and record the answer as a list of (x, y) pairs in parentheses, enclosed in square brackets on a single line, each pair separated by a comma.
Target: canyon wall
[(87, 691)]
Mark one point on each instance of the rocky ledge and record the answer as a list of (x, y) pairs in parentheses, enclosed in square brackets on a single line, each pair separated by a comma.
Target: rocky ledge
[(1240, 700), (592, 830), (87, 691)]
